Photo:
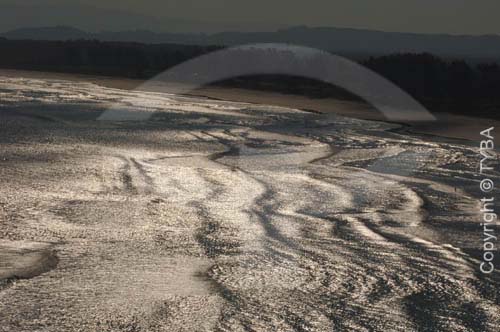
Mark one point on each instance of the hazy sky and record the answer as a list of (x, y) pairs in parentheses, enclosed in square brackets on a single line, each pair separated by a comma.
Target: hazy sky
[(434, 16)]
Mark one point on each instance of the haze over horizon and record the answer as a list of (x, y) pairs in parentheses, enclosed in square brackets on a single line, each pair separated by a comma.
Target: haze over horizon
[(446, 16)]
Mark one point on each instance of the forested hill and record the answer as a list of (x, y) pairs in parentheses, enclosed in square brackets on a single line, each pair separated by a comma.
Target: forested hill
[(351, 41), (440, 84)]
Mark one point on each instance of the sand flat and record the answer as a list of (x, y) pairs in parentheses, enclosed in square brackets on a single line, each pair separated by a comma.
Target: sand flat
[(233, 216), (447, 124)]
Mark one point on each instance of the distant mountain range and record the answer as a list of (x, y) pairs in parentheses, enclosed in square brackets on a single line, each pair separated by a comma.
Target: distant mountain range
[(341, 40), (16, 14)]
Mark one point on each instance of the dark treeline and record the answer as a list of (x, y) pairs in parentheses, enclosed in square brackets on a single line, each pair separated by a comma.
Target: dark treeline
[(441, 85), (122, 59), (453, 85)]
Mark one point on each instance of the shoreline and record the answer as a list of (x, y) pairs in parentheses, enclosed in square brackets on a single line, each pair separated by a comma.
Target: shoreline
[(447, 126)]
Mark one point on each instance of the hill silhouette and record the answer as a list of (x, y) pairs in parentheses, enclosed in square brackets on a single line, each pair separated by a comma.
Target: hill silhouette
[(440, 84), (339, 40)]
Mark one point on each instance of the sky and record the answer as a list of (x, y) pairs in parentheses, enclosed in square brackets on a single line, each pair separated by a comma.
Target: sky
[(422, 16)]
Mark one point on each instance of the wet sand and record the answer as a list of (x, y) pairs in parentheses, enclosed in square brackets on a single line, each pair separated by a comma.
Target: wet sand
[(212, 215), (447, 124)]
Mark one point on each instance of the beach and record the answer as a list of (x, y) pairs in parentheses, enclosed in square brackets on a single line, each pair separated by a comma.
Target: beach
[(447, 124), (242, 211)]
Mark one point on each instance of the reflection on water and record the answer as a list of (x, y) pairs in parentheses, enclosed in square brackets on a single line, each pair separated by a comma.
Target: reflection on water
[(274, 218)]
